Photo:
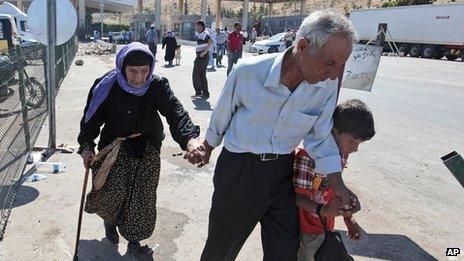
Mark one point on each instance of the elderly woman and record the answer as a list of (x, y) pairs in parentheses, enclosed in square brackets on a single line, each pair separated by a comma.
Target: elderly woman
[(127, 102), (171, 44)]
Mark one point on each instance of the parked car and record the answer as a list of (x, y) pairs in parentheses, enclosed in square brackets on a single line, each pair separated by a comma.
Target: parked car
[(274, 44), (118, 37)]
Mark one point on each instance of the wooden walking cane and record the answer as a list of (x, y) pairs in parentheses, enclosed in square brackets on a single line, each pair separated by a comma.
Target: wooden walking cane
[(81, 208)]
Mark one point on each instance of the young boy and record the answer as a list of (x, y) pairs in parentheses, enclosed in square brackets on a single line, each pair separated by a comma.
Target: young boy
[(353, 124), (178, 55)]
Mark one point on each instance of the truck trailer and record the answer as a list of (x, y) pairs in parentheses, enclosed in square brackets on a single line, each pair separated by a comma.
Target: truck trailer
[(428, 31)]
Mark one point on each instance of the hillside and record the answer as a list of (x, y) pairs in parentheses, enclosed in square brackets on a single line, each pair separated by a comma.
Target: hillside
[(291, 7)]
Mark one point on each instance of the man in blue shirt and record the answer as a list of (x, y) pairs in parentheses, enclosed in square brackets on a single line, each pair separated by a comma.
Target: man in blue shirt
[(269, 104), (152, 39), (221, 37)]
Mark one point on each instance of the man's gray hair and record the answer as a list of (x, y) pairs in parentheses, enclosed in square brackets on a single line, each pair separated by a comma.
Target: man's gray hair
[(320, 25)]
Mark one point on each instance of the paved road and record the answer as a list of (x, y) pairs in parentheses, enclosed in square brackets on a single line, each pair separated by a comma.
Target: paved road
[(412, 206)]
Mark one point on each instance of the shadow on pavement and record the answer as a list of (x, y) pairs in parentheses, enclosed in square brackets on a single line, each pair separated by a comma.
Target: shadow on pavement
[(25, 195), (386, 246), (99, 250), (202, 105), (105, 250)]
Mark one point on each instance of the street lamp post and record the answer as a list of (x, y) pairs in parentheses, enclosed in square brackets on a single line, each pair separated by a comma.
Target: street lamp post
[(101, 15)]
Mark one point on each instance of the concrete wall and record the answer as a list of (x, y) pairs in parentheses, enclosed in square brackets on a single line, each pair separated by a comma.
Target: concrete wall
[(281, 23), (187, 25)]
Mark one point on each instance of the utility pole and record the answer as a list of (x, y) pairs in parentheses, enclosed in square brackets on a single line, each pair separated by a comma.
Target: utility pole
[(51, 74), (101, 15)]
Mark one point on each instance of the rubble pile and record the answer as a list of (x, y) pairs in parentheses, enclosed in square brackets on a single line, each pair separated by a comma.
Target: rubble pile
[(98, 48)]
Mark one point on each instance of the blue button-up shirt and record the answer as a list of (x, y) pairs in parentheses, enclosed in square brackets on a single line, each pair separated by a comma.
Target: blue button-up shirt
[(151, 36), (256, 113), (221, 37)]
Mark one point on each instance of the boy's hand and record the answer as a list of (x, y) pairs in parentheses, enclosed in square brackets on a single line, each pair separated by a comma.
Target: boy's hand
[(355, 205), (332, 209), (354, 230)]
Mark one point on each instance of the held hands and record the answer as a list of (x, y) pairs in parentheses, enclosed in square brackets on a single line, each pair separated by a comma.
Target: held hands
[(198, 152), (350, 201), (332, 209)]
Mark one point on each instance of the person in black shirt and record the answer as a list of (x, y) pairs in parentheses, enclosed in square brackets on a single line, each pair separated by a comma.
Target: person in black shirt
[(171, 44), (127, 102)]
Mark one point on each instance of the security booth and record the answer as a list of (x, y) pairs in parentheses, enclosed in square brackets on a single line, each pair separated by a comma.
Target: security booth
[(141, 23), (8, 33)]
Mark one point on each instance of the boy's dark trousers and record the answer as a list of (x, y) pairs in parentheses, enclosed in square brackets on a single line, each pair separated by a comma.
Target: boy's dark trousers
[(248, 190), (200, 82)]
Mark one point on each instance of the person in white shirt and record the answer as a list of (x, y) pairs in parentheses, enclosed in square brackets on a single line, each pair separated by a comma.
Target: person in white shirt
[(212, 49), (221, 39), (268, 105), (288, 38), (254, 35), (200, 65)]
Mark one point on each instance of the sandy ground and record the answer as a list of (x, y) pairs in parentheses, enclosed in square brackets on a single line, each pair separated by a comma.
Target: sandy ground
[(412, 205)]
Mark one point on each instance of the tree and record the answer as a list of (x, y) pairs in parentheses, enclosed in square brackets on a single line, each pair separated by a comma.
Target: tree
[(346, 8), (257, 13), (355, 6), (88, 17), (369, 3), (240, 12), (393, 3)]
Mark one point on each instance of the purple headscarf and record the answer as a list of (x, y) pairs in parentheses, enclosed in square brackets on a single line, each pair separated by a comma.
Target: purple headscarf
[(103, 88)]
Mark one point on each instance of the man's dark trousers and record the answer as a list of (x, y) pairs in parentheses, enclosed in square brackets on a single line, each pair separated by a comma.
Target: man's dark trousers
[(152, 47), (233, 57), (200, 82), (248, 190)]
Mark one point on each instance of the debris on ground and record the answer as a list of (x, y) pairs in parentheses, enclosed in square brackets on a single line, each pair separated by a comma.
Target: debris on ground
[(98, 48), (34, 157), (35, 177)]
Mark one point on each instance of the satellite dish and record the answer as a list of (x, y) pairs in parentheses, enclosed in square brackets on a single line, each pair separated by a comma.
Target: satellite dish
[(66, 21)]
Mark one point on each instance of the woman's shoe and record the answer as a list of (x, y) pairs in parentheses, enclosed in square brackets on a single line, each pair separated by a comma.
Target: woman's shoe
[(133, 247), (111, 233)]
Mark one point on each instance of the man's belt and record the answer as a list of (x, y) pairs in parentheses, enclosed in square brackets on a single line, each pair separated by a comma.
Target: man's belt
[(270, 156)]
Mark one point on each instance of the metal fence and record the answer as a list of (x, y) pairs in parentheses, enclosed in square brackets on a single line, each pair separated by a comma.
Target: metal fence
[(23, 111)]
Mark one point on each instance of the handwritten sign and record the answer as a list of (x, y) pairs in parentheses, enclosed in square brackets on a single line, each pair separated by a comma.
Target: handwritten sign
[(361, 67)]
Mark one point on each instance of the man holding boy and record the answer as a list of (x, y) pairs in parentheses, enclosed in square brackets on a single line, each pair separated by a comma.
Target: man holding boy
[(268, 105), (353, 124)]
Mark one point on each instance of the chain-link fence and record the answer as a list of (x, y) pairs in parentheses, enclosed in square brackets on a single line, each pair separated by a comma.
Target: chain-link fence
[(23, 110)]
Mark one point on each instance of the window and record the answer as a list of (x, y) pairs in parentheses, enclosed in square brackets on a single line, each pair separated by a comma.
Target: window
[(277, 37), (23, 25)]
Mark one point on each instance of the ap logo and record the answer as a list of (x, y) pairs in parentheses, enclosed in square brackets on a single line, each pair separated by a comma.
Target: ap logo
[(453, 251)]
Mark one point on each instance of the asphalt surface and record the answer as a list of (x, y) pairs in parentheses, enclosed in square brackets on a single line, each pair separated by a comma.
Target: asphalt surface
[(412, 205)]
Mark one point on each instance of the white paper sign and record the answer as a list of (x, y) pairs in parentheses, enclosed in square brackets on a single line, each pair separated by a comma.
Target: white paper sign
[(361, 67)]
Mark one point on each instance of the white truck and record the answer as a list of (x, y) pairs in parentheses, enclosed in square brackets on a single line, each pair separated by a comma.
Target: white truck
[(428, 31)]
